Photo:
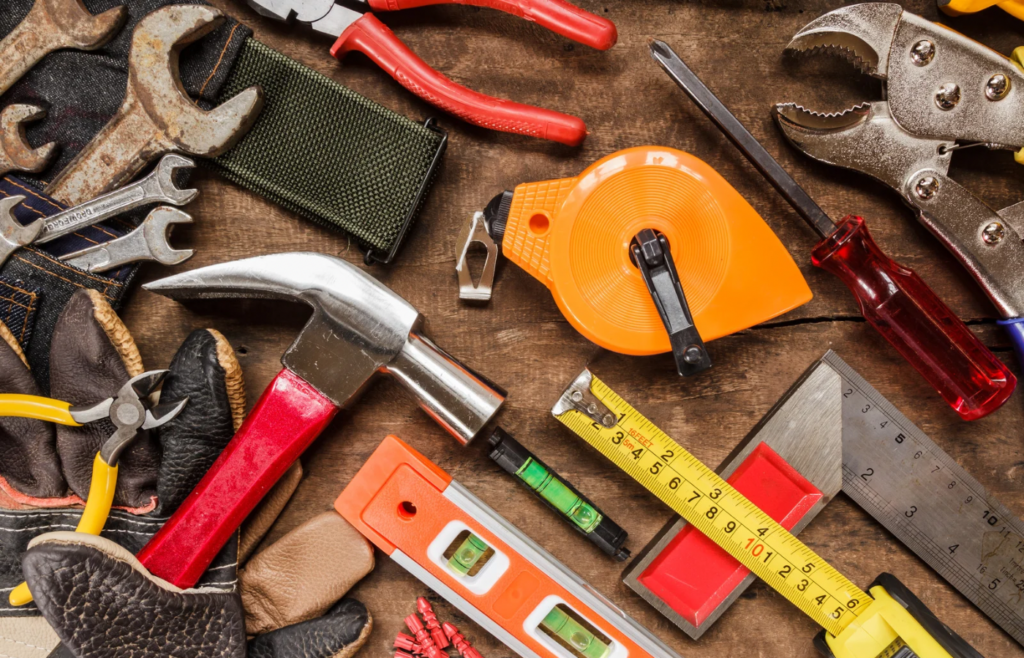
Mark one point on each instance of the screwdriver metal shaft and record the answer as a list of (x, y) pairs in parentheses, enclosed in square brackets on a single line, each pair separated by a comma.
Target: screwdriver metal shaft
[(895, 300)]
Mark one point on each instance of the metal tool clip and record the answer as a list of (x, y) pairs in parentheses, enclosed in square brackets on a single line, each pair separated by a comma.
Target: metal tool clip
[(579, 396), (476, 231), (651, 253)]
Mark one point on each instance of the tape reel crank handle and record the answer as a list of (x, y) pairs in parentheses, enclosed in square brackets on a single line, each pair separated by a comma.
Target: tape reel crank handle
[(653, 257)]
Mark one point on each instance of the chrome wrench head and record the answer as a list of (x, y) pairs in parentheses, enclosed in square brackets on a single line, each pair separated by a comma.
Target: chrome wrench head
[(148, 242), (13, 234), (16, 154), (163, 177)]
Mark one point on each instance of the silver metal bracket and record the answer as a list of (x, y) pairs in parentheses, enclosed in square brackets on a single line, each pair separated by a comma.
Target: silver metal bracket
[(476, 231), (578, 396)]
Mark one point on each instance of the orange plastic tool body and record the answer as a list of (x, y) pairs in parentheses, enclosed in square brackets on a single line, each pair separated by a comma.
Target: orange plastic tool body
[(408, 507), (573, 235)]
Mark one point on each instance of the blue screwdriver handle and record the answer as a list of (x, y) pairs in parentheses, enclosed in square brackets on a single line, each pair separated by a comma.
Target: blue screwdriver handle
[(1015, 328)]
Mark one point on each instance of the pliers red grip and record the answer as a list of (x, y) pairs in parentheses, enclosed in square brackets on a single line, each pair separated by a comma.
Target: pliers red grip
[(360, 30)]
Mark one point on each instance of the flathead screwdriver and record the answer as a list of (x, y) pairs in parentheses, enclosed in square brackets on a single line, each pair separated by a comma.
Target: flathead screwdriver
[(892, 297)]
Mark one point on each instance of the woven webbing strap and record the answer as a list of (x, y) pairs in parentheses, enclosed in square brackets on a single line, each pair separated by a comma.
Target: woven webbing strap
[(332, 156)]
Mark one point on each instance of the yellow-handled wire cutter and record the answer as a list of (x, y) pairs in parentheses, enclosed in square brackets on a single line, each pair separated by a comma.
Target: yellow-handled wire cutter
[(129, 411)]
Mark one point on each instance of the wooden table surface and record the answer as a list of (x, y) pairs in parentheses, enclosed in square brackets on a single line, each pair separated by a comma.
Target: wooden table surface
[(522, 341)]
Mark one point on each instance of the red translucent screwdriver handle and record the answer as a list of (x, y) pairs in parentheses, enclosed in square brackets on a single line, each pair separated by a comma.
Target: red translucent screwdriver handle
[(556, 15), (916, 322)]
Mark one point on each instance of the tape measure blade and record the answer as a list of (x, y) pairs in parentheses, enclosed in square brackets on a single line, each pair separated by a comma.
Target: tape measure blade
[(896, 473), (706, 501)]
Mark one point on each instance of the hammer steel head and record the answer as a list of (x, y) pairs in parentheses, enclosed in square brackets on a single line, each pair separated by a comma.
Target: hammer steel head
[(356, 320), (82, 30), (18, 154), (153, 68), (359, 328)]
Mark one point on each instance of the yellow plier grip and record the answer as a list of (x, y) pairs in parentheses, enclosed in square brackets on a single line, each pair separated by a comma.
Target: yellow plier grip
[(960, 7), (97, 509), (34, 406)]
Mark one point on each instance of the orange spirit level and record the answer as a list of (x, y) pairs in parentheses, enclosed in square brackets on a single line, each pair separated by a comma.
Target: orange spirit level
[(480, 563)]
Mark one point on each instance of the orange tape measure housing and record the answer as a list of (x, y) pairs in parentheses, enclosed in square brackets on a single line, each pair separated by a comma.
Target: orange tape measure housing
[(573, 235)]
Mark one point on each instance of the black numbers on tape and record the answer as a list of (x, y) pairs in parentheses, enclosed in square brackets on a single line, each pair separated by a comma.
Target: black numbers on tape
[(802, 587), (911, 512), (900, 438), (617, 439), (637, 453), (696, 496), (673, 484), (729, 527), (866, 474), (655, 468), (991, 518), (712, 512), (667, 456), (867, 408), (715, 494), (785, 571)]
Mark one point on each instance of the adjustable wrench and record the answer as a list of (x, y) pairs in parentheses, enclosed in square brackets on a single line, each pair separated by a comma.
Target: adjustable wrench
[(147, 242), (158, 187)]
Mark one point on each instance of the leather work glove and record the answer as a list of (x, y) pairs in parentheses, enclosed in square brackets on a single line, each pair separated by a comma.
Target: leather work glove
[(45, 471), (104, 604)]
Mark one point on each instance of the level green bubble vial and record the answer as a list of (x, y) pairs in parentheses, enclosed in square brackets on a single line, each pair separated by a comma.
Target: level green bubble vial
[(467, 554), (561, 497), (561, 625)]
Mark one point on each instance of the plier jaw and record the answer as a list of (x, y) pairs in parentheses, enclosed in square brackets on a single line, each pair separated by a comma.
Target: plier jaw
[(940, 85)]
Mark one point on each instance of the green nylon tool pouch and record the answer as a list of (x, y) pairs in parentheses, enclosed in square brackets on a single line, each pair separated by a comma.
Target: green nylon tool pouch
[(330, 155)]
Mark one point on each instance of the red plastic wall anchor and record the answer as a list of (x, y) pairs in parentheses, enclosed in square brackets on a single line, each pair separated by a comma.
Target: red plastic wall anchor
[(427, 646), (372, 38), (460, 642), (406, 643), (430, 619), (285, 420), (692, 575)]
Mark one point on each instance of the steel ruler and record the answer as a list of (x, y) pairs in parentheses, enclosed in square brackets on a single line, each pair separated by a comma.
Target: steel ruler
[(920, 494)]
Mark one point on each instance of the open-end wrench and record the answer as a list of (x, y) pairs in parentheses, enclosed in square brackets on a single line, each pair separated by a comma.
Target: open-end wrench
[(53, 25), (157, 187), (16, 154), (157, 116), (147, 242)]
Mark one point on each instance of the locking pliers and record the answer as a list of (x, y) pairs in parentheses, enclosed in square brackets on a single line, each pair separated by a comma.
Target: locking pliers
[(943, 92)]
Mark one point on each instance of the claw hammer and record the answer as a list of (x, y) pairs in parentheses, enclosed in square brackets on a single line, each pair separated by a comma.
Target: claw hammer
[(359, 328)]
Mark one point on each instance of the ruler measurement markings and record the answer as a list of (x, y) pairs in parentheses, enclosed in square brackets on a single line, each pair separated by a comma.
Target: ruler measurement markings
[(945, 490)]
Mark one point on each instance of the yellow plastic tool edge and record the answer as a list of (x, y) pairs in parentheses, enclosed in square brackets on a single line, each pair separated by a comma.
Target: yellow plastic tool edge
[(97, 509), (961, 7), (884, 629), (34, 406)]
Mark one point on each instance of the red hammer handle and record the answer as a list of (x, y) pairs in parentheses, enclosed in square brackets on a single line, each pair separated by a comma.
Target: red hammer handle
[(287, 418), (556, 15), (372, 38)]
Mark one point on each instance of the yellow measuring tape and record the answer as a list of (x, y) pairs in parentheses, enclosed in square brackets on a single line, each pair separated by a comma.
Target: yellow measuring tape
[(708, 502)]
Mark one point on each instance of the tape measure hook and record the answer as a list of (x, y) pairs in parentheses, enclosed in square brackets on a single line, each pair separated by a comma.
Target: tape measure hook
[(578, 396)]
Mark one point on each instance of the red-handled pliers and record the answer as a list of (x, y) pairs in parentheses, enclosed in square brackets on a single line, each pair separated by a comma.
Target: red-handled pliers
[(358, 29)]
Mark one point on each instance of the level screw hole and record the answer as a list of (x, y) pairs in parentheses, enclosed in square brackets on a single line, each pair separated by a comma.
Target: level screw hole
[(406, 510)]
